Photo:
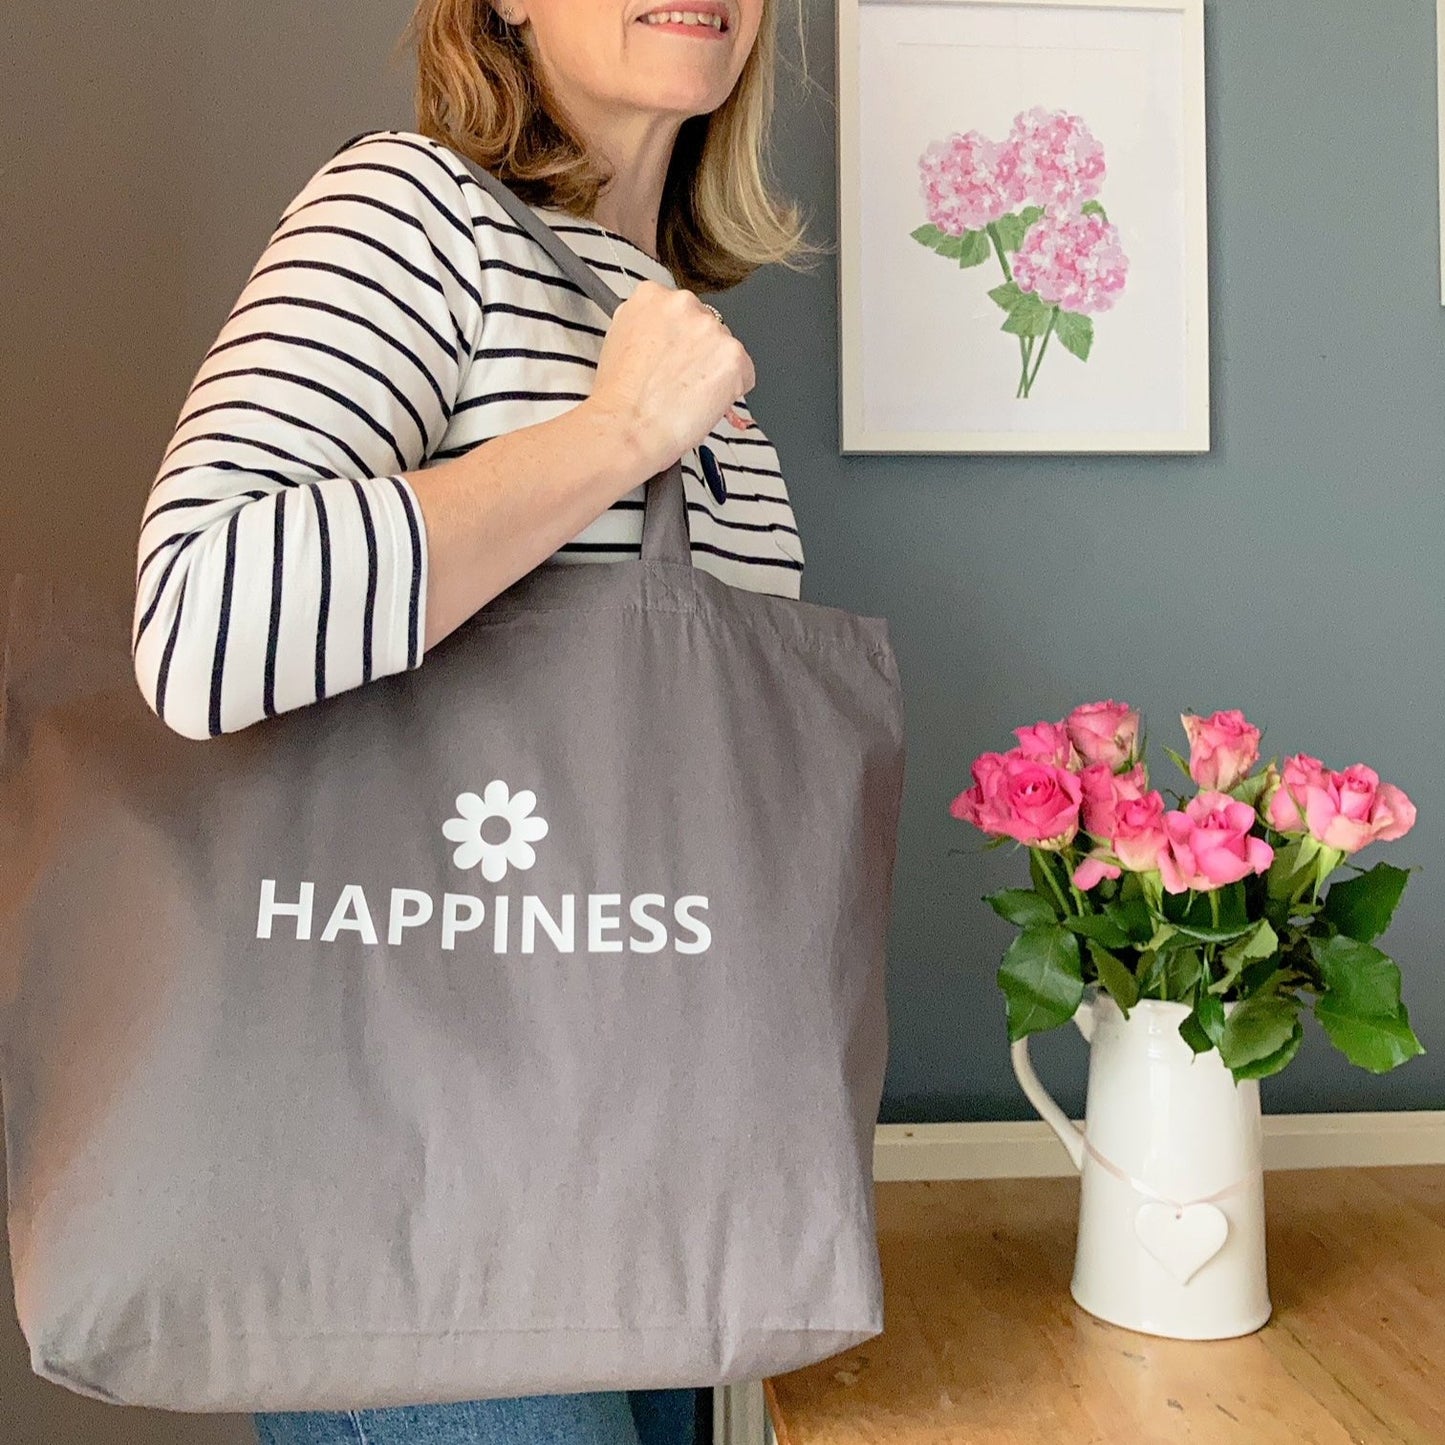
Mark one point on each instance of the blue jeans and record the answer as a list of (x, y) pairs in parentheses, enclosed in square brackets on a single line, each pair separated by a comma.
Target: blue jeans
[(602, 1417)]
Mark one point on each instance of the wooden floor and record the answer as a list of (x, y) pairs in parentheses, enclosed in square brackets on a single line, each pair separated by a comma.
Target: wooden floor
[(983, 1345)]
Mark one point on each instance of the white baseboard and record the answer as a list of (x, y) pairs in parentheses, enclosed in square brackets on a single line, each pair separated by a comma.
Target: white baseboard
[(740, 1415), (1029, 1150)]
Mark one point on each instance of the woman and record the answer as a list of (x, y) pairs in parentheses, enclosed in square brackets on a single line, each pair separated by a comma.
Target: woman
[(325, 512)]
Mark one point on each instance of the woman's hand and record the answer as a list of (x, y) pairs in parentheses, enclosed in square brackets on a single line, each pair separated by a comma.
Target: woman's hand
[(669, 371)]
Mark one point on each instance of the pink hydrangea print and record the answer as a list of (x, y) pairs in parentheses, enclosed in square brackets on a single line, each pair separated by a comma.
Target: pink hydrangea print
[(968, 181), (1072, 261), (1030, 201), (1058, 161)]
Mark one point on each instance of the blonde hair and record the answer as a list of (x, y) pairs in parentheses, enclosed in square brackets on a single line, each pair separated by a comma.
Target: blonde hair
[(721, 217)]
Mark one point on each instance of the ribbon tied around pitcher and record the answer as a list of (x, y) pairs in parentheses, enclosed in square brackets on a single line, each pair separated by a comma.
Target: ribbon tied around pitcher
[(1181, 1235)]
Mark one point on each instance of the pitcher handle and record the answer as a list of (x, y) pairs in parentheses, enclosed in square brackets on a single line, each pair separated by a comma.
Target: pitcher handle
[(1070, 1135)]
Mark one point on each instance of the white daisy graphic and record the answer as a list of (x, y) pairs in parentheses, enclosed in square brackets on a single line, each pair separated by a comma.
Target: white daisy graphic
[(504, 810)]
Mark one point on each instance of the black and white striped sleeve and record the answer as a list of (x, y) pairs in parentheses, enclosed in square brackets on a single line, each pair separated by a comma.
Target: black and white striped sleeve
[(282, 558)]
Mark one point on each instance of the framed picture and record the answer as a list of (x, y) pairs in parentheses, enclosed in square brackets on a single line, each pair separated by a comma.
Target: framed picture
[(1022, 226)]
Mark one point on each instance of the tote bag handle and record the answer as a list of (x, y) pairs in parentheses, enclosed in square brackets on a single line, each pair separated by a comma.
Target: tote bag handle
[(665, 535)]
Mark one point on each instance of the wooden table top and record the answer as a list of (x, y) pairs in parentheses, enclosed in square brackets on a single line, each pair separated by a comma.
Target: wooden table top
[(983, 1345)]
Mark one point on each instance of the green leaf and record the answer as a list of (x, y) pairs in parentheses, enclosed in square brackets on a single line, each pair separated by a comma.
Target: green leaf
[(1100, 928), (1093, 208), (1288, 872), (1248, 790), (1256, 1028), (1202, 1028), (1022, 906), (974, 248), (1182, 967), (1234, 905), (1075, 333), (1360, 1008), (1029, 317), (1207, 933), (1362, 907), (1293, 867), (1261, 977), (1174, 975), (1114, 974), (1260, 942), (1234, 921), (1183, 762), (1132, 915), (1282, 869), (1010, 231), (1042, 980), (1376, 1044), (1272, 1063), (1210, 1013), (1162, 934), (968, 248), (1359, 979), (1006, 295), (1192, 1032), (1030, 214)]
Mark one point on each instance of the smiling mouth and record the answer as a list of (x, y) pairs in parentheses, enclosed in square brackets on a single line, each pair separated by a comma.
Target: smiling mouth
[(685, 20)]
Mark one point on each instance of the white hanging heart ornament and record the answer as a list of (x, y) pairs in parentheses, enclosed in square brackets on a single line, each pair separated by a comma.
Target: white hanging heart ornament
[(1182, 1240)]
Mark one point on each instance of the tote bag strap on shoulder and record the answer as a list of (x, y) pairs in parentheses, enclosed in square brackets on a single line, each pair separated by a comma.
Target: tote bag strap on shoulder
[(664, 520)]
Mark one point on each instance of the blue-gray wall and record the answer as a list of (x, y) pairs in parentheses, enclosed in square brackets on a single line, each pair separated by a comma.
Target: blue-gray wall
[(1294, 572)]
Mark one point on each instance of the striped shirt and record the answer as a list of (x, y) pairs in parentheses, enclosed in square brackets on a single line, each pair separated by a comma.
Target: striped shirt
[(397, 317)]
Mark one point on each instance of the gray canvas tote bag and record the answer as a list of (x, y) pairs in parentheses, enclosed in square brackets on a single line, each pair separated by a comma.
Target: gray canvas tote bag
[(513, 1025)]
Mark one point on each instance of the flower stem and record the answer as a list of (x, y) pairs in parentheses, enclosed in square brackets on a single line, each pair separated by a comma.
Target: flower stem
[(1043, 347), (1048, 872), (1211, 951), (993, 236), (1026, 344)]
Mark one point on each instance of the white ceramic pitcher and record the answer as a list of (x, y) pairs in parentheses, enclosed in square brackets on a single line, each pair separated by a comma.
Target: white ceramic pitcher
[(1171, 1211)]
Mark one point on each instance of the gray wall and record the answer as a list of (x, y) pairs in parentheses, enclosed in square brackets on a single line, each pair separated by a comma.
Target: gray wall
[(1294, 572)]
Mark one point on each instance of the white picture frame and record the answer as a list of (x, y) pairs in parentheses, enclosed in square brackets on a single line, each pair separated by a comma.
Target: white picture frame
[(1117, 90)]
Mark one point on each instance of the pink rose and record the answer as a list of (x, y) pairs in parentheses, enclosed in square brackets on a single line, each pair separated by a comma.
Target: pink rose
[(976, 805), (1136, 839), (1284, 812), (1208, 845), (1346, 811), (1351, 809), (1104, 790), (1393, 814), (1139, 836), (1018, 797), (1047, 742), (1222, 748), (1104, 732)]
